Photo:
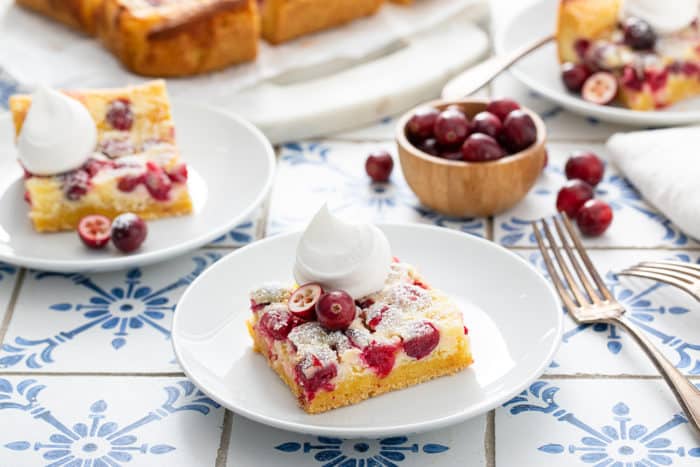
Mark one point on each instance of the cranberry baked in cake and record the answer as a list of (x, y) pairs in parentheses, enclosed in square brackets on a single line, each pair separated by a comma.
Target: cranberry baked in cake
[(99, 152), (643, 53), (373, 326)]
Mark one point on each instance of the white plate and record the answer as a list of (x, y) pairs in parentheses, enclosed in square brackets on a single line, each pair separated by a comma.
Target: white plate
[(513, 316), (540, 72), (232, 166)]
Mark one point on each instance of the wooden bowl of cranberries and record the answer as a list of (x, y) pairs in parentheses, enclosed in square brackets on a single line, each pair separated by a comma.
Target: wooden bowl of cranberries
[(471, 158)]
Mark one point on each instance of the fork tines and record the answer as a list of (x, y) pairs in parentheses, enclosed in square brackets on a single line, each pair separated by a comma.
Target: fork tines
[(685, 276), (594, 293)]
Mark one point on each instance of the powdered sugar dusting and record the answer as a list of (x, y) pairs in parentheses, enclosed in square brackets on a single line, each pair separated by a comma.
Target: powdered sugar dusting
[(270, 293), (311, 339)]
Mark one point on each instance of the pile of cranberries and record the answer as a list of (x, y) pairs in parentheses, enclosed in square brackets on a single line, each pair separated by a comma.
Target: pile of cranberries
[(502, 129), (593, 76), (127, 232), (576, 199)]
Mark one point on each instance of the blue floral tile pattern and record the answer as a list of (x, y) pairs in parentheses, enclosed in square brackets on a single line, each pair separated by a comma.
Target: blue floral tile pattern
[(666, 315), (462, 442), (329, 452), (105, 435), (626, 438), (635, 223), (312, 173), (241, 235), (115, 314)]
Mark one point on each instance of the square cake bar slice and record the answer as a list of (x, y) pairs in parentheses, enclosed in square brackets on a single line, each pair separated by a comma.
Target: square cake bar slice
[(135, 167), (403, 335)]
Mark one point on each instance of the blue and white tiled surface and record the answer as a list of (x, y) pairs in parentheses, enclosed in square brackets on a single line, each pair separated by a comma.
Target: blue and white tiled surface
[(88, 376)]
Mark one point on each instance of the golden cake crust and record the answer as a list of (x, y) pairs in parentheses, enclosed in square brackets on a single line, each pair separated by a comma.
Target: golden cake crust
[(78, 14), (370, 385), (283, 20), (169, 40), (183, 39)]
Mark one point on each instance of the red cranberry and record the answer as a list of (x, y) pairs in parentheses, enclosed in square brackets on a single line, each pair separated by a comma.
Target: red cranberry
[(501, 108), (93, 166), (128, 183), (119, 114), (335, 310), (632, 79), (379, 166), (95, 231), (519, 131), (639, 34), (320, 379), (304, 299), (574, 75), (380, 357), (451, 128), (425, 337), (376, 318), (421, 124), (480, 148), (429, 146), (657, 79), (581, 47), (27, 197), (600, 88), (486, 123), (178, 174), (157, 182), (76, 184), (128, 232), (585, 166), (572, 196), (594, 217), (278, 323)]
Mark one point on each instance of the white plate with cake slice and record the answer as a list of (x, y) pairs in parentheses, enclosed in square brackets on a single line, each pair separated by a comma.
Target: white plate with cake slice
[(231, 166), (541, 72), (513, 318)]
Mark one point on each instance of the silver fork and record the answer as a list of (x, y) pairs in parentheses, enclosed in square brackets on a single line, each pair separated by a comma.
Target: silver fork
[(595, 304), (685, 276)]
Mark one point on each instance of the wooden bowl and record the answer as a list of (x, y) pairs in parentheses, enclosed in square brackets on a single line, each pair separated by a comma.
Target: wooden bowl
[(470, 189)]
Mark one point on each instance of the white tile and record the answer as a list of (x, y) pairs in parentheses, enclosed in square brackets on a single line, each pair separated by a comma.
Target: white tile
[(561, 124), (312, 173), (8, 277), (625, 423), (106, 421), (251, 442), (635, 223), (244, 233), (118, 321), (669, 317)]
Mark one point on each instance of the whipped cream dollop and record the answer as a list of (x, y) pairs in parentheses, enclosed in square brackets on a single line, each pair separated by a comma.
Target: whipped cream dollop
[(664, 17), (58, 134), (355, 258)]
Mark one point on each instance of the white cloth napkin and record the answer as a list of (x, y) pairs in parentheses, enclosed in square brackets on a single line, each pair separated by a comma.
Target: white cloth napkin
[(36, 50), (664, 165)]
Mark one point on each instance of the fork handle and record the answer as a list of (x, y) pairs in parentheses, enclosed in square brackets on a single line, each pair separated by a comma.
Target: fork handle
[(684, 390)]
